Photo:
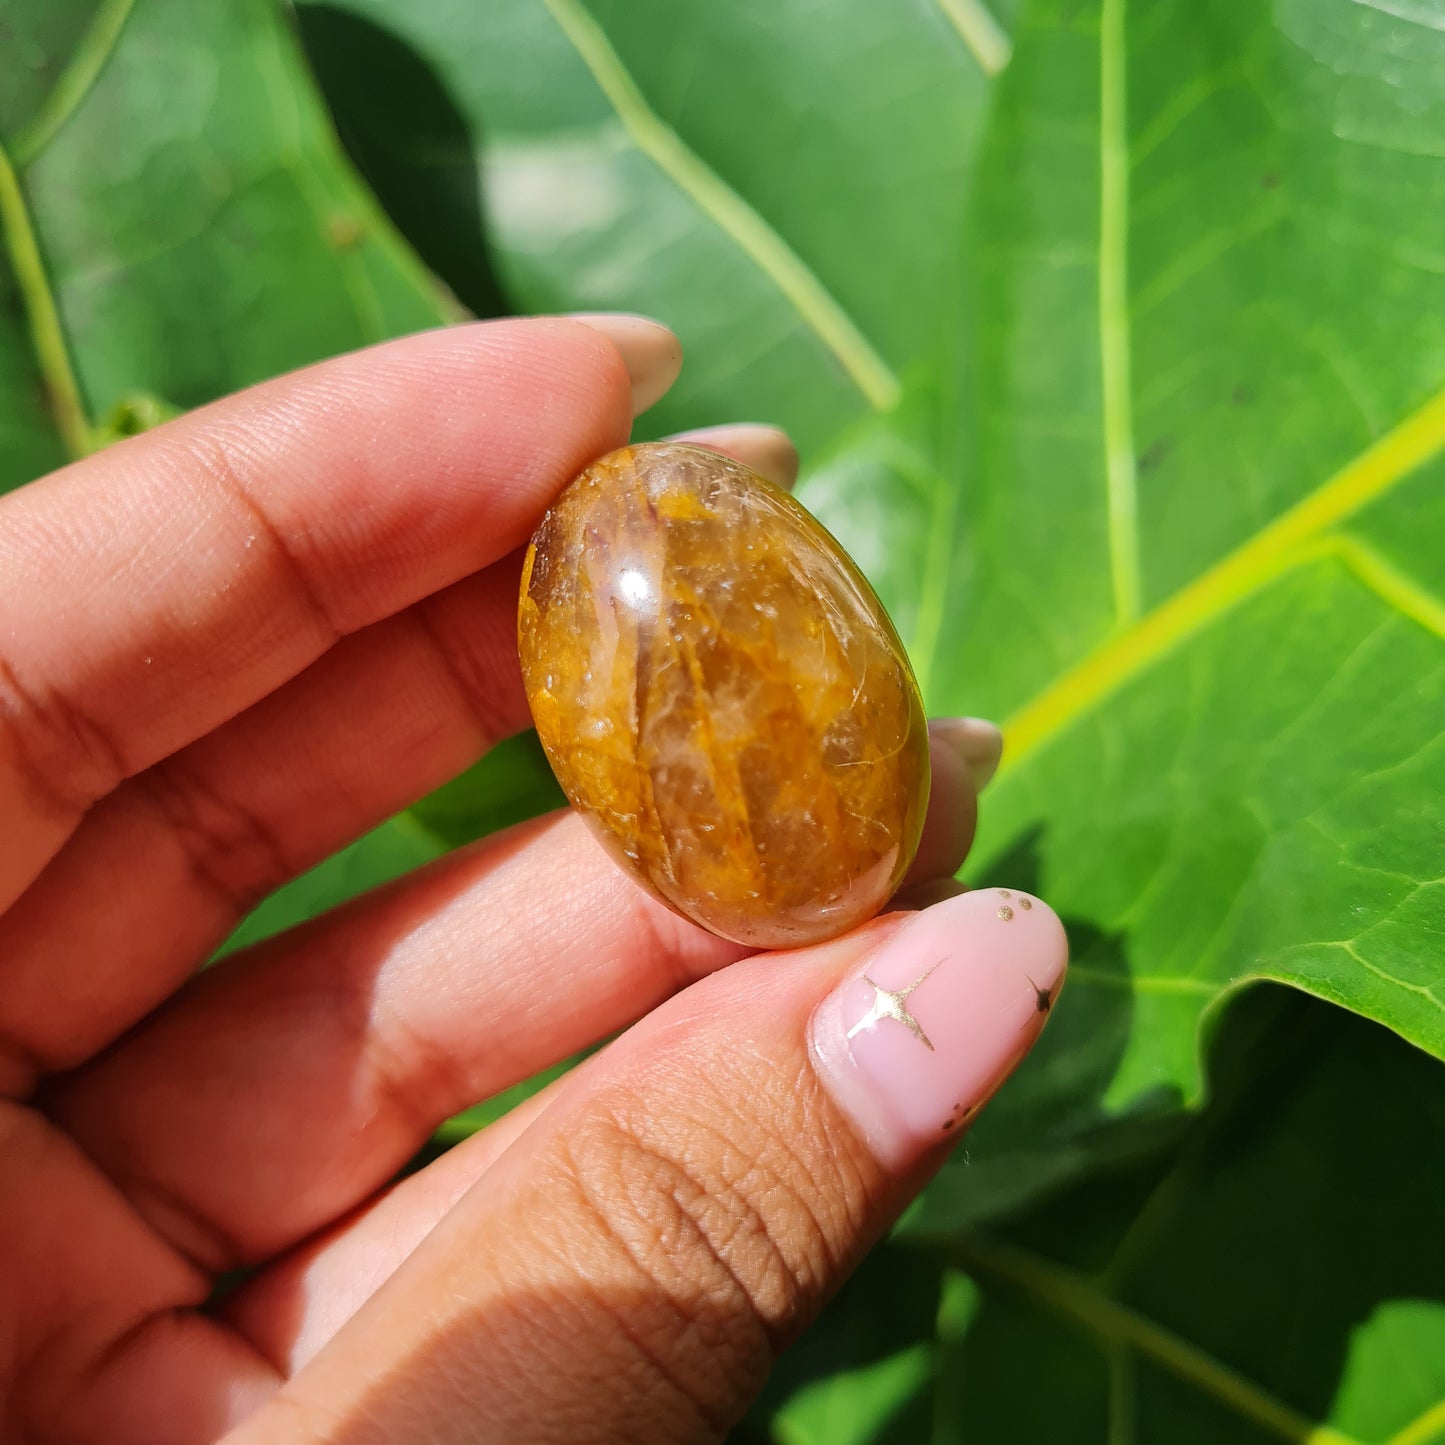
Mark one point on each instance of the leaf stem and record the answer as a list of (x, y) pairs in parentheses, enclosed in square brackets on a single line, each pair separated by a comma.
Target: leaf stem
[(86, 62), (46, 333), (1074, 1296)]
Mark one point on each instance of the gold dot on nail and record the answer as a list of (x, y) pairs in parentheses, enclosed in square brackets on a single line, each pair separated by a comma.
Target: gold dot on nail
[(1005, 913), (1025, 904), (1004, 893)]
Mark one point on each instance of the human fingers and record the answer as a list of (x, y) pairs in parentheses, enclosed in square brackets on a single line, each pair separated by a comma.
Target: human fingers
[(290, 1081), (768, 450), (158, 588), (630, 1267), (161, 870), (295, 1305), (959, 750)]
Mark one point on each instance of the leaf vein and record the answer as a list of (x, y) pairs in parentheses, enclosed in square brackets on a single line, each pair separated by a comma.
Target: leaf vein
[(1364, 962), (1423, 1429), (75, 82), (985, 38), (1236, 577), (1120, 466), (726, 208), (47, 334), (1391, 585), (1112, 1323)]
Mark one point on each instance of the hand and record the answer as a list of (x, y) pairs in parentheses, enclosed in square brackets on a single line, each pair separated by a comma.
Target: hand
[(226, 648)]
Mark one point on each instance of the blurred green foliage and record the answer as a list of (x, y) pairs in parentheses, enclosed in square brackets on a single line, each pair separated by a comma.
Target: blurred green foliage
[(1113, 335)]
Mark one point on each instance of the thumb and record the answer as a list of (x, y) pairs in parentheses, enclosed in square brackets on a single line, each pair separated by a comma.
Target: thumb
[(630, 1266)]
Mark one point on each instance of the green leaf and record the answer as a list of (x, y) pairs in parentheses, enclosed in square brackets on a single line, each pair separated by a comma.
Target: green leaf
[(757, 178), (865, 1373), (178, 220), (512, 783), (1118, 361), (1280, 1279)]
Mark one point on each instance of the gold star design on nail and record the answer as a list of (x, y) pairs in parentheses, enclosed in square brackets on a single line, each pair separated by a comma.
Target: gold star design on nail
[(889, 1003)]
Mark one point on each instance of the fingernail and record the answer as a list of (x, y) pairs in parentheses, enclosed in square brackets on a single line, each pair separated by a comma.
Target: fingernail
[(976, 740), (912, 1044), (768, 450), (650, 352)]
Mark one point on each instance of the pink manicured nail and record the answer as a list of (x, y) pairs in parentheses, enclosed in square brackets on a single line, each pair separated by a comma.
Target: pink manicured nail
[(912, 1045)]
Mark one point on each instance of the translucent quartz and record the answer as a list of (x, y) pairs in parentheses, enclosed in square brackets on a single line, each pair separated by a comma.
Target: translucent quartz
[(723, 696)]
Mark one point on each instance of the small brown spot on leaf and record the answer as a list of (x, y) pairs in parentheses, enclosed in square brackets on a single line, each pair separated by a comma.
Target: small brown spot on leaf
[(344, 232), (1154, 455)]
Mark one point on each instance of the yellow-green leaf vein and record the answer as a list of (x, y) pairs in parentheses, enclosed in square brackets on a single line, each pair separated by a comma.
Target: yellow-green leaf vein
[(1074, 1296), (986, 39), (47, 336), (728, 210), (1292, 538), (86, 62), (1120, 467)]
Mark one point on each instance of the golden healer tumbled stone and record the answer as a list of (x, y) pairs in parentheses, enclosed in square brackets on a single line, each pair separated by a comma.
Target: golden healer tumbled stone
[(722, 695)]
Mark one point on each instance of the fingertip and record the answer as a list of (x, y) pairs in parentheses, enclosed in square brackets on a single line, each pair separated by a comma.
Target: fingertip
[(650, 351), (977, 742), (916, 1040), (952, 817), (767, 450)]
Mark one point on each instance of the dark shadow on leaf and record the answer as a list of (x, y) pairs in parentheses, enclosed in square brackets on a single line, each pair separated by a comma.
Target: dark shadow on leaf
[(887, 1310), (1292, 1235), (415, 148)]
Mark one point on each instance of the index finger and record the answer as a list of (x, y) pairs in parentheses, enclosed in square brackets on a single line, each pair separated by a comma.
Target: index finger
[(151, 592)]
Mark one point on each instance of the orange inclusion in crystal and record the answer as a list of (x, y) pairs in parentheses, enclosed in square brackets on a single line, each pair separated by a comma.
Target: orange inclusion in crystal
[(722, 695)]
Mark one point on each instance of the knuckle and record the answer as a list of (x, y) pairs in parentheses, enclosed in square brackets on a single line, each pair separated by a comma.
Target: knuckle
[(231, 849), (485, 679), (415, 1077), (737, 1214), (65, 759), (220, 460)]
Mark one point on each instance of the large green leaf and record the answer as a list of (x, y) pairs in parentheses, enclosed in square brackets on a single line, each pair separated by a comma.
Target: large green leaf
[(1276, 1275), (177, 216), (785, 192), (1114, 334), (1119, 371), (1280, 1279)]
